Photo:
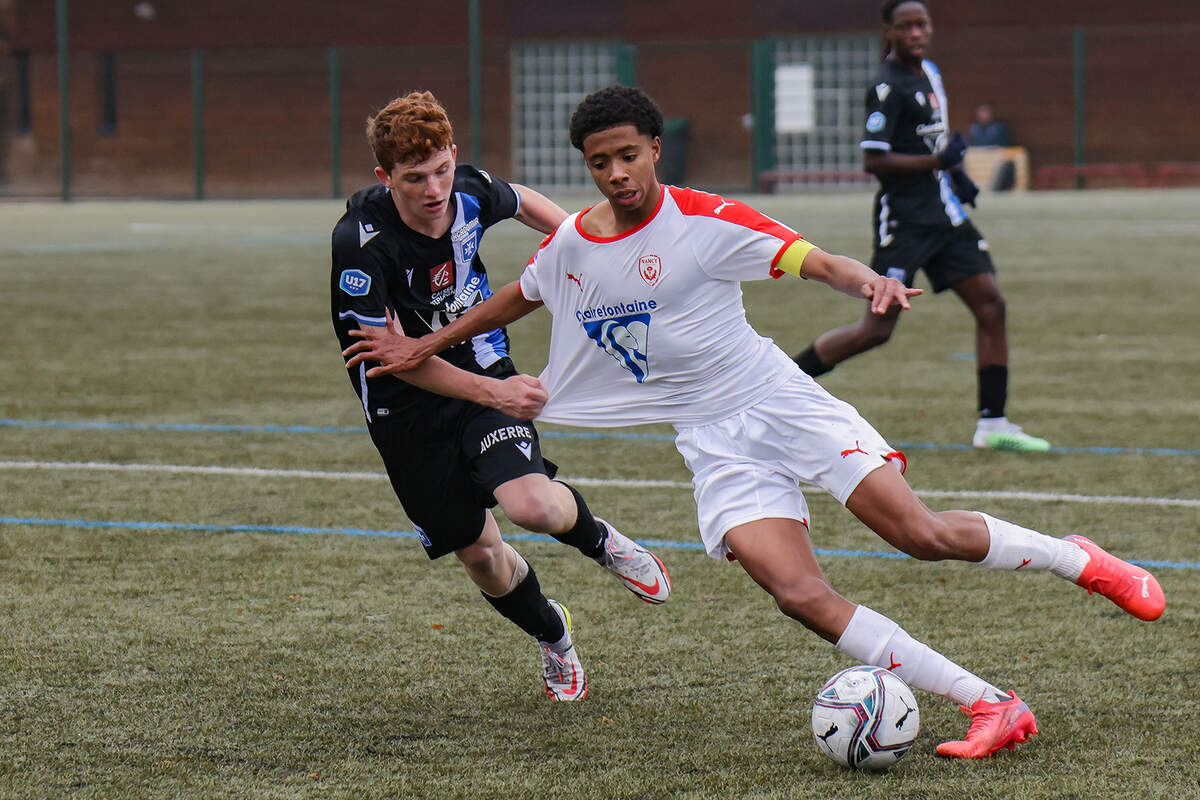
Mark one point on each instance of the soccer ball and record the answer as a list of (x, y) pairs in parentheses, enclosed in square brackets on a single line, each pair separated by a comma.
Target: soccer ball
[(865, 718)]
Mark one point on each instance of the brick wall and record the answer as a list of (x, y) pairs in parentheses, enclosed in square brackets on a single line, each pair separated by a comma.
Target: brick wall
[(267, 94)]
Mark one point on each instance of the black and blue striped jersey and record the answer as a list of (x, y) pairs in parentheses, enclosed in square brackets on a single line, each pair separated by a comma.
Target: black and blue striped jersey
[(379, 262), (907, 114)]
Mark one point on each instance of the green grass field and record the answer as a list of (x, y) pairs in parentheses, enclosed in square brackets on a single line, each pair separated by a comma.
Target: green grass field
[(219, 633)]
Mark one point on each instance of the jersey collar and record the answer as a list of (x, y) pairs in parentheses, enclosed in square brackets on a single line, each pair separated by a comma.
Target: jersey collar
[(605, 239)]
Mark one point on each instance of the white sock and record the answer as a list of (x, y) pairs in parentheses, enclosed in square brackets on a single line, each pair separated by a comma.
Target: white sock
[(1013, 547), (874, 639), (562, 645)]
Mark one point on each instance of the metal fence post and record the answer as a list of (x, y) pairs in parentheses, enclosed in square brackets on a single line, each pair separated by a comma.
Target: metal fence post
[(198, 121), (475, 79), (1080, 83), (626, 63), (762, 89), (64, 97), (335, 121)]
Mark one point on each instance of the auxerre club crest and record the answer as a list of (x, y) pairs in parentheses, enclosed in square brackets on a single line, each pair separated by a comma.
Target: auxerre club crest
[(650, 268)]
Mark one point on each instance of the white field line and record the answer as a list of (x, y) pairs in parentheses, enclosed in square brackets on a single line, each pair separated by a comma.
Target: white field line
[(629, 484)]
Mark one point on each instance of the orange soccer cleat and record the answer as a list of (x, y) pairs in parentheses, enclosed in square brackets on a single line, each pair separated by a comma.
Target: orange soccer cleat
[(1132, 588), (993, 725)]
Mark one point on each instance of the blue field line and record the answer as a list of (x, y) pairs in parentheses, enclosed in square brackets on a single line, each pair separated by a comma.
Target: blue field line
[(619, 435), (183, 527)]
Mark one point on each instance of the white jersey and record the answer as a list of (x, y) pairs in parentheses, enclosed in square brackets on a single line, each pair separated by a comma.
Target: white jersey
[(649, 326)]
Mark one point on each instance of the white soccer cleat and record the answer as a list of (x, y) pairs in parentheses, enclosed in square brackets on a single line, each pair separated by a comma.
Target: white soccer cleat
[(635, 566), (1000, 434), (563, 672)]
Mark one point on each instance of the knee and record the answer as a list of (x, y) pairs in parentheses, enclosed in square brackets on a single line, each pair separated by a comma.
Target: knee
[(536, 512), (808, 601), (481, 559), (930, 538), (992, 312), (874, 335)]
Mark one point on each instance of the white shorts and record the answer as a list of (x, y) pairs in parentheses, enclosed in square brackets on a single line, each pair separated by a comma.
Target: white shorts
[(749, 466)]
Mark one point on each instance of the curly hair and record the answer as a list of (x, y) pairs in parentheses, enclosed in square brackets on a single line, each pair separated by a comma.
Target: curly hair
[(616, 105), (410, 128)]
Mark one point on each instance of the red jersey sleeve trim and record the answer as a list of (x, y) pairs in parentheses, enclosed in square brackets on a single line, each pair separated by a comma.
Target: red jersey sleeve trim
[(702, 204)]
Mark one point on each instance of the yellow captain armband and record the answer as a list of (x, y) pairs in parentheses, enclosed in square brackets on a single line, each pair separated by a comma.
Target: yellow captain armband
[(793, 257)]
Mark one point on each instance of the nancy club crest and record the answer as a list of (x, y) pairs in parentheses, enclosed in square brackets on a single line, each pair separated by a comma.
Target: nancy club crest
[(650, 268)]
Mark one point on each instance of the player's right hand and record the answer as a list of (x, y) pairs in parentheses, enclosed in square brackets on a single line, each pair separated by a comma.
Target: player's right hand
[(520, 396), (952, 154), (964, 188), (884, 292), (389, 347)]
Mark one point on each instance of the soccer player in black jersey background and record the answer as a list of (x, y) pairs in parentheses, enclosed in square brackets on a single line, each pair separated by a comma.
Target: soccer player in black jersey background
[(451, 432), (919, 221)]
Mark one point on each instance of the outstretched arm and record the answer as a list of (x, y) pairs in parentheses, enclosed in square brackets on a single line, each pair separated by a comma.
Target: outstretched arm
[(397, 353), (847, 275)]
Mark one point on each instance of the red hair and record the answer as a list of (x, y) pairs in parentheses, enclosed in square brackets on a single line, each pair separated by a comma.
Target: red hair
[(410, 128)]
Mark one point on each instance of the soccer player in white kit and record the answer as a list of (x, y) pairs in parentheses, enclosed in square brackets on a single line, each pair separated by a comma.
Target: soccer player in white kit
[(649, 326)]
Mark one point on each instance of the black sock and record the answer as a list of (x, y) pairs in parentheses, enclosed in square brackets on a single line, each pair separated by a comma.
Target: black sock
[(993, 391), (809, 362), (588, 535), (527, 608)]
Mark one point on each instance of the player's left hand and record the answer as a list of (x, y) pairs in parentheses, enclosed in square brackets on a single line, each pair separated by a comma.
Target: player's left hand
[(884, 292), (393, 351)]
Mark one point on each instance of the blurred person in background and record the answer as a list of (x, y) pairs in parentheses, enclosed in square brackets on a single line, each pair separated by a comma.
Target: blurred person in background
[(986, 130), (919, 222), (453, 432), (990, 133)]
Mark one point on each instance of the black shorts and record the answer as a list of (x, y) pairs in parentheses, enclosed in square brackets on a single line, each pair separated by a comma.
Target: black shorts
[(948, 255), (445, 468)]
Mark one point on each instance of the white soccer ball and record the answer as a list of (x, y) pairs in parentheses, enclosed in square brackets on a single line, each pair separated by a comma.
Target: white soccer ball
[(865, 718)]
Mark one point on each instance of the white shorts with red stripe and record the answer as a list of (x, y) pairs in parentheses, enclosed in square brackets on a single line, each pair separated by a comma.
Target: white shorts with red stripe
[(750, 466)]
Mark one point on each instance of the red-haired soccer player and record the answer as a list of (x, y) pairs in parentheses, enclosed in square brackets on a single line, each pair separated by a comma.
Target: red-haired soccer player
[(453, 433)]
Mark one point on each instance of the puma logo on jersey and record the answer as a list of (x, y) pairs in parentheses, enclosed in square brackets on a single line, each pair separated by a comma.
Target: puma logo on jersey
[(366, 232), (577, 278), (856, 449), (718, 209)]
